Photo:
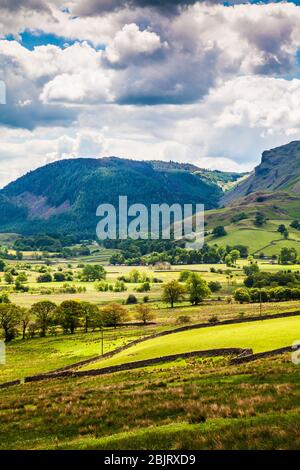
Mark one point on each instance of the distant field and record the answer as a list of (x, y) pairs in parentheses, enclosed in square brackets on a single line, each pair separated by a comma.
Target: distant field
[(260, 336), (253, 238)]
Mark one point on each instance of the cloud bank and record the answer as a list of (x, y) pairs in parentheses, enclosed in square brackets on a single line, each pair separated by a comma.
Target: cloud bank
[(212, 84)]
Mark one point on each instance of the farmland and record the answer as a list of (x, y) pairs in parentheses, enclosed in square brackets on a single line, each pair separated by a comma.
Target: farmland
[(188, 403), (259, 336)]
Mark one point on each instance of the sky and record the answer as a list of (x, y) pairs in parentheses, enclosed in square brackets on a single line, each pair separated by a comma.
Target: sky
[(209, 83)]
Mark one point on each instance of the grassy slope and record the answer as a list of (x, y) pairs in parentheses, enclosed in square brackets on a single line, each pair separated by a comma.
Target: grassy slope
[(251, 406), (260, 336), (38, 355), (266, 239)]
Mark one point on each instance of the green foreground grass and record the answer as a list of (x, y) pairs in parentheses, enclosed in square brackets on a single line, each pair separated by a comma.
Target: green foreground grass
[(259, 335), (38, 355), (198, 404)]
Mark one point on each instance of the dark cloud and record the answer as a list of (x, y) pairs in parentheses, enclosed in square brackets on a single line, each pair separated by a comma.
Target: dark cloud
[(16, 5), (96, 7)]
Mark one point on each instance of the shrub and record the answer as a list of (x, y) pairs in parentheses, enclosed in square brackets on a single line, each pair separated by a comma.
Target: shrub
[(242, 295), (45, 278), (182, 319), (213, 319), (131, 299), (215, 286)]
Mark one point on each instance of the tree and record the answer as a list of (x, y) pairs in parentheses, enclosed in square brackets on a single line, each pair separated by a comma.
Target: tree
[(2, 265), (228, 260), (22, 277), (197, 288), (25, 318), (134, 276), (173, 292), (287, 255), (90, 314), (234, 255), (69, 315), (252, 269), (113, 314), (8, 277), (260, 219), (214, 286), (242, 295), (10, 316), (59, 277), (93, 272), (184, 275), (219, 231), (144, 313), (44, 313), (281, 229), (45, 278), (295, 224), (4, 299)]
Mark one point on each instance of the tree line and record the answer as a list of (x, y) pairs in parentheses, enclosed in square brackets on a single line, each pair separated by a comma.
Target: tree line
[(46, 317)]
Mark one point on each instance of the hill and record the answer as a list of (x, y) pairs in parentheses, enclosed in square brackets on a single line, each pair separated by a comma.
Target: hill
[(279, 170), (63, 196), (239, 221)]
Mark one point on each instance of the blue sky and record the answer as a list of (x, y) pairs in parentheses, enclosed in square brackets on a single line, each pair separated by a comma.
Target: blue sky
[(212, 84)]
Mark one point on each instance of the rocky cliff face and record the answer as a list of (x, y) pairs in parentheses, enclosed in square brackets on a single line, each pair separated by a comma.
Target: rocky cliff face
[(279, 170)]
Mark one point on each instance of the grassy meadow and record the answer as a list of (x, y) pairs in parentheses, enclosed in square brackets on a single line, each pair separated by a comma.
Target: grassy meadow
[(260, 336), (192, 404)]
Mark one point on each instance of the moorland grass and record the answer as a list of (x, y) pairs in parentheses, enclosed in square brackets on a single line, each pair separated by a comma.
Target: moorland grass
[(202, 404)]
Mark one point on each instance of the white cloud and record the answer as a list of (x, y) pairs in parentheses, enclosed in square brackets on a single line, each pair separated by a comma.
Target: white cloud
[(224, 81), (79, 88), (131, 42)]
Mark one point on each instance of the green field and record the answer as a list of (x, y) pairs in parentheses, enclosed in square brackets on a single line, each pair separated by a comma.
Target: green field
[(38, 355), (260, 336), (201, 404), (185, 404)]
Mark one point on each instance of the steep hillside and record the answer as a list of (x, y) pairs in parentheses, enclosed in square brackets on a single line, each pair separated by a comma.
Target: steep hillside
[(279, 170), (239, 221), (63, 196)]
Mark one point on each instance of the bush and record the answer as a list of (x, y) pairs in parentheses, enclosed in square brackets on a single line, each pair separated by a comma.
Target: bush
[(184, 275), (45, 278), (131, 299), (213, 319), (242, 295), (182, 319), (145, 287), (215, 286)]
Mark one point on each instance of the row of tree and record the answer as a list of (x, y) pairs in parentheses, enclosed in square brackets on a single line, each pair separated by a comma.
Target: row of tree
[(275, 294), (68, 316)]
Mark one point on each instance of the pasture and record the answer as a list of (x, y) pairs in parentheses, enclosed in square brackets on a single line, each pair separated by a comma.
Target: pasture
[(261, 336)]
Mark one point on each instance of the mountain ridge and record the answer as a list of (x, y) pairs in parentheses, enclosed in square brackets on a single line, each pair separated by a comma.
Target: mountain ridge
[(64, 195)]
